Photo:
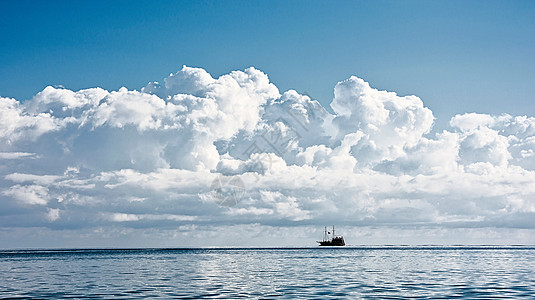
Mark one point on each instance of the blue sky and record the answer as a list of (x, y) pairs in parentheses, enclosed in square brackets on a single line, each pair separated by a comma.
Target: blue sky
[(458, 56), (181, 156)]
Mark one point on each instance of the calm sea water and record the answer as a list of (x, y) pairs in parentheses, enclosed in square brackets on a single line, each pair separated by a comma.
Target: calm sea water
[(321, 273)]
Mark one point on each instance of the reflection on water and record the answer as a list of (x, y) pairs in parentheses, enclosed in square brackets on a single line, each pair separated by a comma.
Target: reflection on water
[(365, 272)]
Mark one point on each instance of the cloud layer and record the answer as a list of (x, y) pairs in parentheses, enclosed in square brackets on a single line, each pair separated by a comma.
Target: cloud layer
[(235, 151)]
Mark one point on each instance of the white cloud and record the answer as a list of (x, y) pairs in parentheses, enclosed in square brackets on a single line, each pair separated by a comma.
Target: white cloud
[(16, 123), (388, 122), (120, 217), (38, 179), (497, 139), (95, 158), (15, 155), (29, 194), (471, 121), (52, 214)]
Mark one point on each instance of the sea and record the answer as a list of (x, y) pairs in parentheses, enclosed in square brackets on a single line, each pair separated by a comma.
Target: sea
[(363, 272)]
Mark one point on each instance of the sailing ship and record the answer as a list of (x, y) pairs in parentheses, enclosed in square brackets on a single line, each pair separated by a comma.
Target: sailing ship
[(330, 239)]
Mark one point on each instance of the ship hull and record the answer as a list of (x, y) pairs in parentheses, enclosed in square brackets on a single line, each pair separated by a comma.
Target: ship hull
[(338, 241)]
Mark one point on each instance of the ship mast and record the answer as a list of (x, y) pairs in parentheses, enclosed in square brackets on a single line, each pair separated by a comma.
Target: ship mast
[(333, 232)]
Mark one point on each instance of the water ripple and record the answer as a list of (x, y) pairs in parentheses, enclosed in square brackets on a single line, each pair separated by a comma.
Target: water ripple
[(317, 273)]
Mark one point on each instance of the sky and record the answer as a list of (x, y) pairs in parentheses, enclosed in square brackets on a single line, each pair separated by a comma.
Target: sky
[(256, 123)]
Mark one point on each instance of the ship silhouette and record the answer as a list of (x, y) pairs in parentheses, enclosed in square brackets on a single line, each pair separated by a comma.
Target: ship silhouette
[(330, 239)]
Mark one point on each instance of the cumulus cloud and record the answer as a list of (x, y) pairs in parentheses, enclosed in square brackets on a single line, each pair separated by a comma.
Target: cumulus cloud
[(388, 123), (155, 158), (28, 194), (16, 123)]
